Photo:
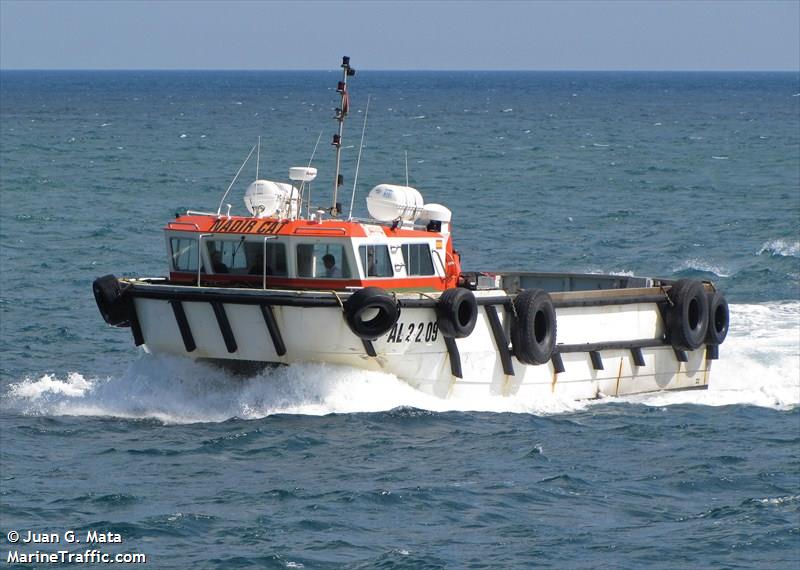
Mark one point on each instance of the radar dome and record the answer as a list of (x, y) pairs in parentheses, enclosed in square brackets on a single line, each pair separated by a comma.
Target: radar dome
[(302, 173), (388, 202), (435, 213)]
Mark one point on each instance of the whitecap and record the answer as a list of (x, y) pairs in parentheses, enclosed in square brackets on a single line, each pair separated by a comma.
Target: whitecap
[(781, 247), (720, 157), (701, 265), (621, 272), (779, 500)]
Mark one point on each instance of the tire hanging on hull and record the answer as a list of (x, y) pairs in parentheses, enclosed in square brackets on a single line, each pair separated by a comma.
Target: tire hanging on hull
[(114, 305), (687, 318), (365, 301), (718, 318), (533, 331), (457, 312)]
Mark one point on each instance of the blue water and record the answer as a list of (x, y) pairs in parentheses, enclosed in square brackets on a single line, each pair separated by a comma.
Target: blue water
[(315, 466)]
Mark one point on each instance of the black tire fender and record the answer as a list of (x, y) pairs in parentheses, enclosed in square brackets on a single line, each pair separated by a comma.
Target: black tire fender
[(687, 318), (457, 312), (110, 297), (364, 301), (533, 331), (718, 318)]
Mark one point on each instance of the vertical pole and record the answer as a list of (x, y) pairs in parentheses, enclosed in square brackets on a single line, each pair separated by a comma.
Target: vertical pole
[(341, 113)]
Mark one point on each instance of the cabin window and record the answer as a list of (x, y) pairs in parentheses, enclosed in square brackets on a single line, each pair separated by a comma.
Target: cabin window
[(417, 257), (276, 258), (376, 261), (184, 254), (226, 256), (244, 257), (322, 261)]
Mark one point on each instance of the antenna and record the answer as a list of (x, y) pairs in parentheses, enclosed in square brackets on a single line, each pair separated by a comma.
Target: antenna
[(406, 168), (341, 113), (219, 209), (358, 162), (308, 204), (258, 156)]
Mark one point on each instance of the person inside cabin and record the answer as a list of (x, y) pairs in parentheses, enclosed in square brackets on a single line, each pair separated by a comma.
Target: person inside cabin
[(372, 263), (216, 262), (331, 271), (258, 266)]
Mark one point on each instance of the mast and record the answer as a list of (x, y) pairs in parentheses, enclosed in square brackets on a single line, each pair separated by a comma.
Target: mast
[(341, 113)]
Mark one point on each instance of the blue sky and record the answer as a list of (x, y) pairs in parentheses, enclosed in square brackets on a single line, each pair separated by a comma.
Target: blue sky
[(595, 35)]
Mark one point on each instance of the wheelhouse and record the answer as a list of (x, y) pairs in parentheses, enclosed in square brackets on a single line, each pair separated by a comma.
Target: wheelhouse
[(221, 251)]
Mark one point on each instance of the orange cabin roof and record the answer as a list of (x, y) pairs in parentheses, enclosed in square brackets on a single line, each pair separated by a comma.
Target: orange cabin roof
[(270, 226)]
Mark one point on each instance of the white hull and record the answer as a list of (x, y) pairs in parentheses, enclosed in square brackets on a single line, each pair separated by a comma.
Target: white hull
[(416, 352)]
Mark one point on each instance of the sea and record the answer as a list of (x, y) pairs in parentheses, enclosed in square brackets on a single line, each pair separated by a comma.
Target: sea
[(669, 175)]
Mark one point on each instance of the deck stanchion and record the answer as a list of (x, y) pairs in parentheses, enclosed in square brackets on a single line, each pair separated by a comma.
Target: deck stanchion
[(500, 340), (455, 357), (136, 327), (183, 325), (638, 357), (274, 331), (369, 347), (597, 360), (558, 363), (224, 326)]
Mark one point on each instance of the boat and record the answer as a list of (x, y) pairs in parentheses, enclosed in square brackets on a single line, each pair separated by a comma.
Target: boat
[(293, 282)]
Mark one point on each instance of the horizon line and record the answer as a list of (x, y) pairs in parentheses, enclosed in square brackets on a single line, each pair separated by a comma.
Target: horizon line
[(454, 70)]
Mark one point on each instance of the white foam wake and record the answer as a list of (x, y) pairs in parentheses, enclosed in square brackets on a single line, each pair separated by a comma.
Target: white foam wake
[(759, 362), (759, 365), (178, 390)]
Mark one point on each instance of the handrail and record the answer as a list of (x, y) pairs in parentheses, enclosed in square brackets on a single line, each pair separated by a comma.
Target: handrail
[(264, 262), (320, 230), (444, 267), (199, 254)]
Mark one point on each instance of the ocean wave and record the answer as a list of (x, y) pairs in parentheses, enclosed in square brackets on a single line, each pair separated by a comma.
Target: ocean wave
[(780, 247), (700, 265), (759, 365)]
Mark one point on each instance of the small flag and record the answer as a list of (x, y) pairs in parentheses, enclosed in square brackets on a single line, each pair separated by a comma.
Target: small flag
[(345, 103)]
